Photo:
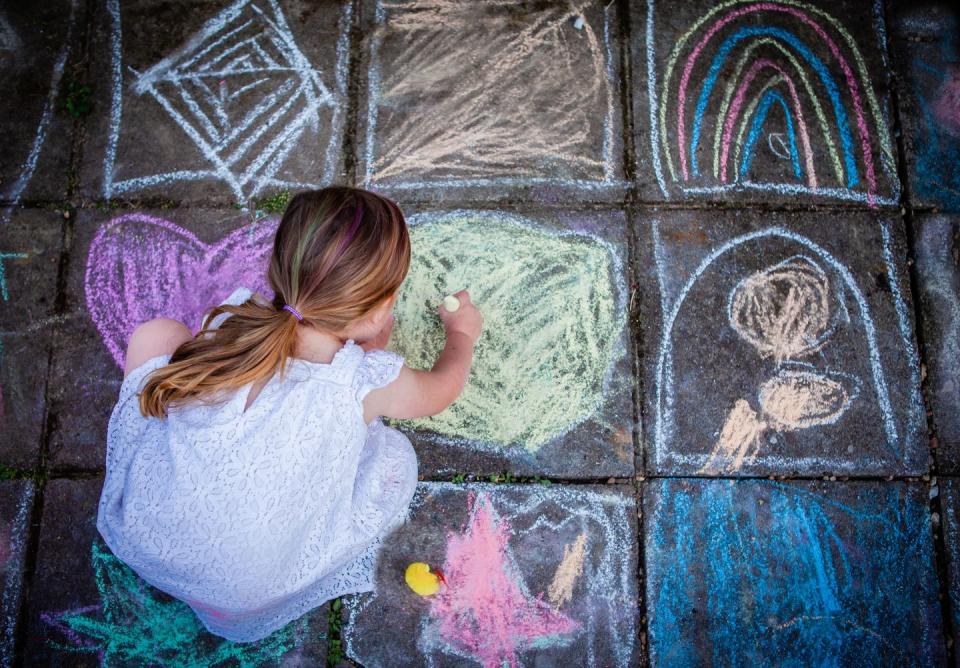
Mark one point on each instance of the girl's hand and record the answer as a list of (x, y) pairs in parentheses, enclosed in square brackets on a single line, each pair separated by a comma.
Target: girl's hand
[(467, 319)]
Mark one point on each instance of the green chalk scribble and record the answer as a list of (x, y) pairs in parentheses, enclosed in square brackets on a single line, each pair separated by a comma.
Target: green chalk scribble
[(137, 627), (552, 323)]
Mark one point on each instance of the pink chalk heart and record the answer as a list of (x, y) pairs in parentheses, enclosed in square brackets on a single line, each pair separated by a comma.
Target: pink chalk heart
[(140, 267)]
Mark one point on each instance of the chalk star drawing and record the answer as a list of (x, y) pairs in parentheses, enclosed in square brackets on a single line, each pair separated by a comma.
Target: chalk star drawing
[(773, 55), (133, 625), (242, 91), (485, 610)]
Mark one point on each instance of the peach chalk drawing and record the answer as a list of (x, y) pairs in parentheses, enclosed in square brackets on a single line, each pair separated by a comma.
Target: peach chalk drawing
[(785, 312), (554, 310), (561, 588), (480, 93), (486, 611)]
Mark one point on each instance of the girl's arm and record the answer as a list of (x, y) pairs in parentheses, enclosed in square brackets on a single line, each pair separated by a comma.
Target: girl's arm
[(153, 338), (417, 393)]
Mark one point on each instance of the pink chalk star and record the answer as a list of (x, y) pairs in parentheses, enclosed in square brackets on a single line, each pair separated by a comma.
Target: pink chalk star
[(484, 609)]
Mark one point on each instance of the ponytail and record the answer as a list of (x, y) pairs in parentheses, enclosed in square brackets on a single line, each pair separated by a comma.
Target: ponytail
[(337, 254), (248, 345)]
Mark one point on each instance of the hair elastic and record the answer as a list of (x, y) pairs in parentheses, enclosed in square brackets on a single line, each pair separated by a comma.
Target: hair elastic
[(294, 311)]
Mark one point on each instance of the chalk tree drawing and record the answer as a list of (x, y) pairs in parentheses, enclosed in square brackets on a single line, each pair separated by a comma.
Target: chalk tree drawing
[(790, 314), (794, 76), (136, 624), (242, 91), (786, 312), (489, 610), (492, 92), (10, 42), (554, 307), (141, 267), (746, 569), (937, 142)]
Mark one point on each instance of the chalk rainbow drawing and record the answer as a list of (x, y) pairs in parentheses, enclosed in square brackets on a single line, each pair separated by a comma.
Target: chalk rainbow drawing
[(487, 612), (556, 78), (14, 551), (738, 570), (554, 306), (819, 83), (784, 313), (141, 267), (242, 91), (9, 41), (136, 624)]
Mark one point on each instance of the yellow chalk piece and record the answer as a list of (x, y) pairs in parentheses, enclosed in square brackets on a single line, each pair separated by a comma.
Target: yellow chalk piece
[(421, 580), (451, 303)]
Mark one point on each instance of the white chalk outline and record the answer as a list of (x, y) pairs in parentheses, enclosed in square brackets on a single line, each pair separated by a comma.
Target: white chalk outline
[(779, 188), (260, 169), (517, 453), (609, 123), (576, 504), (14, 577), (664, 425), (30, 164)]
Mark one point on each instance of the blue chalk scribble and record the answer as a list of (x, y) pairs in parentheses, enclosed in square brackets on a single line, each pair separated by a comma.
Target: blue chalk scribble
[(745, 572)]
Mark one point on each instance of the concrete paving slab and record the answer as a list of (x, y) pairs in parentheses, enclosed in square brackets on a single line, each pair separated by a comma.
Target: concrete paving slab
[(16, 503), (126, 268), (778, 343), (776, 102), (40, 42), (86, 605), (950, 502), (744, 572), (928, 66), (488, 100), (30, 249), (550, 390), (937, 248), (533, 575), (216, 101)]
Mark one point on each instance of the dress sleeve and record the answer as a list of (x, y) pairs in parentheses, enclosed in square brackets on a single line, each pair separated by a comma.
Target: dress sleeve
[(237, 297), (133, 382), (379, 368)]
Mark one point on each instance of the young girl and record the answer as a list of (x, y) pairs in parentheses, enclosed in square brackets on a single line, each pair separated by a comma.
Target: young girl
[(248, 472)]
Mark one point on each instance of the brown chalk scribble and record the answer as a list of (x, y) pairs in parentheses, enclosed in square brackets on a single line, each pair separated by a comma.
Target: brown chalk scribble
[(800, 399), (490, 89), (571, 566), (783, 311)]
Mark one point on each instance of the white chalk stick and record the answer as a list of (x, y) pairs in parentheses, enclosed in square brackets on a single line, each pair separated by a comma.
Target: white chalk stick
[(578, 23), (451, 303)]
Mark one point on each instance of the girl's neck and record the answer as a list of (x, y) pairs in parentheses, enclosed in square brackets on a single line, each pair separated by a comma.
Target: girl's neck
[(316, 345)]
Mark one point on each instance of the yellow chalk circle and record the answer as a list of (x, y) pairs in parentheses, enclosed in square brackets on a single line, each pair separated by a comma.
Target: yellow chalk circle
[(451, 303), (553, 312), (421, 580)]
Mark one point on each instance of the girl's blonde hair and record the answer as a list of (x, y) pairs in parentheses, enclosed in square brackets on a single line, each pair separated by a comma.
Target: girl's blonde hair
[(338, 253)]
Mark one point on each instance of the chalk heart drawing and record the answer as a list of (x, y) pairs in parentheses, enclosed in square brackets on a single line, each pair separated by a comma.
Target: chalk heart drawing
[(477, 92), (784, 312), (141, 267), (553, 306), (135, 624), (484, 610), (242, 91), (792, 73)]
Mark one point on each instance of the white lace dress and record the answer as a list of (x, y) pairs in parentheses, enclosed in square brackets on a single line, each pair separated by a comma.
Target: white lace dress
[(254, 518)]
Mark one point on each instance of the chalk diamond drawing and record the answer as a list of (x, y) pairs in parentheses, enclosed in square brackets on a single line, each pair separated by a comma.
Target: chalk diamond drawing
[(242, 91)]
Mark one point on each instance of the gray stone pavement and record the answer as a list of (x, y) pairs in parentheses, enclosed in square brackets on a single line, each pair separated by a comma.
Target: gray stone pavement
[(741, 214)]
